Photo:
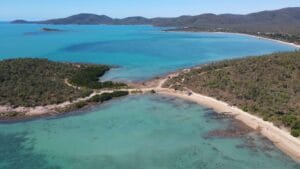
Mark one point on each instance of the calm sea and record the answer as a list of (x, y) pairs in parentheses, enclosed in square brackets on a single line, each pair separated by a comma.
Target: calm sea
[(141, 52), (135, 132)]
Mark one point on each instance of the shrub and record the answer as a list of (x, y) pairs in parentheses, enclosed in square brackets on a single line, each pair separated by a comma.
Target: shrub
[(108, 96), (289, 120), (80, 104), (89, 77), (296, 125), (295, 132)]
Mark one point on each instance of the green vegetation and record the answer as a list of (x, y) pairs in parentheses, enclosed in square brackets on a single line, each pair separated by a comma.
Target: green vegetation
[(11, 114), (38, 82), (107, 96), (89, 77), (292, 38), (33, 82), (268, 86), (100, 98)]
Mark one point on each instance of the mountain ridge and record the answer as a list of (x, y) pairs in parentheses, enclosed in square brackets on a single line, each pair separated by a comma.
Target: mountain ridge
[(285, 14), (282, 24)]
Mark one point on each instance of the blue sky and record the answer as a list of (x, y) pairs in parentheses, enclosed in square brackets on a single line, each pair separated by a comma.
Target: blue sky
[(43, 9)]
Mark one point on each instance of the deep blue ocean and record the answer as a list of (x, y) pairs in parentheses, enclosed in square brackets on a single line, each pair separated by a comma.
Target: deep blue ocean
[(141, 52)]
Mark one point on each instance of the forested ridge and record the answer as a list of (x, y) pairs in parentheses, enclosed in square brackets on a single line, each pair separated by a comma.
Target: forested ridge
[(282, 24)]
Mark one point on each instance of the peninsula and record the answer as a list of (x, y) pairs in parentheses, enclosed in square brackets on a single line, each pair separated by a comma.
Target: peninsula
[(267, 86), (262, 92), (40, 86)]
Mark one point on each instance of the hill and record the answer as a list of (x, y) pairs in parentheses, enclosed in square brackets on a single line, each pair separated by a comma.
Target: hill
[(81, 19), (287, 19), (267, 86), (276, 20), (282, 24), (39, 82)]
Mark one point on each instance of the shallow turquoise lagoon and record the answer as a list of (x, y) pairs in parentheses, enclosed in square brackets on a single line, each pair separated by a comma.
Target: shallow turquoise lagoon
[(142, 52), (148, 132)]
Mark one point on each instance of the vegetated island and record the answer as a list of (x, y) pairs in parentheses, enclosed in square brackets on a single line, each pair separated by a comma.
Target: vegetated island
[(38, 86), (282, 24), (266, 86)]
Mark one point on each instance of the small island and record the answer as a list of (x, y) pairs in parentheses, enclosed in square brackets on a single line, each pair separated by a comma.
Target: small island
[(40, 86), (51, 30)]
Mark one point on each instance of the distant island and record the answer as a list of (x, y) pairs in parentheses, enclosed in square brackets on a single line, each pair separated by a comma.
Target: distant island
[(283, 24), (51, 30), (267, 86)]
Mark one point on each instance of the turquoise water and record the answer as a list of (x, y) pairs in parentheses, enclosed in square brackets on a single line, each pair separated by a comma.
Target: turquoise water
[(148, 132), (142, 52), (142, 132)]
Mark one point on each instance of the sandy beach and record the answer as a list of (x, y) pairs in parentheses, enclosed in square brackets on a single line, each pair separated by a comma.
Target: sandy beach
[(53, 109), (48, 109), (255, 36), (274, 40), (280, 137)]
